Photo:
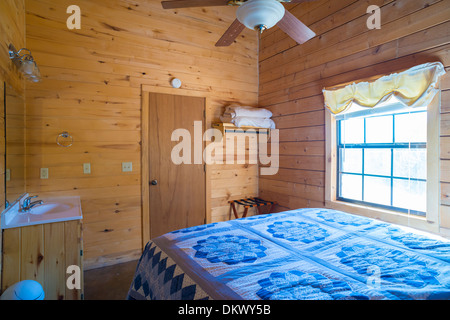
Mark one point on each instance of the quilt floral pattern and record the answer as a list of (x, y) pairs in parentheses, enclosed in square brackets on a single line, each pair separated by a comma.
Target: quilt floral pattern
[(298, 231), (229, 249), (296, 285)]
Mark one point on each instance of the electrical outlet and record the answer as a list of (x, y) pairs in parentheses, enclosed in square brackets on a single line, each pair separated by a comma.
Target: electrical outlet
[(127, 166), (87, 168), (44, 173)]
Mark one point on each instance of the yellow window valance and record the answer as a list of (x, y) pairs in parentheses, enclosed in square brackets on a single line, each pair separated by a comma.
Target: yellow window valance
[(414, 87)]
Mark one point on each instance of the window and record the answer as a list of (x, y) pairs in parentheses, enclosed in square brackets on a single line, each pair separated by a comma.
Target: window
[(382, 159), (382, 147)]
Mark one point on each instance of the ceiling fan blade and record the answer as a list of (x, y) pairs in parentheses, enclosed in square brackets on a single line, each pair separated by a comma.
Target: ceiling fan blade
[(295, 28), (231, 34), (192, 3)]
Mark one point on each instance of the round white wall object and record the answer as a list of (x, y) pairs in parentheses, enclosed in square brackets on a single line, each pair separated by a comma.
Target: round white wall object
[(176, 83)]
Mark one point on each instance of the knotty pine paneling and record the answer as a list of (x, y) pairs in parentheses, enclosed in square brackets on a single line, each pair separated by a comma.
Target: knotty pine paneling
[(292, 77), (12, 30), (91, 88)]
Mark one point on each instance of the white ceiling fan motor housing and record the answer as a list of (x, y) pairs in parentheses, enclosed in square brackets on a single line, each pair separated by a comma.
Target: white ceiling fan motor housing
[(260, 14)]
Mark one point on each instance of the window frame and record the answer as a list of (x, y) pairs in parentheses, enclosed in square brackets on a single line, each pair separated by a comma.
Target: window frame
[(429, 222), (367, 145)]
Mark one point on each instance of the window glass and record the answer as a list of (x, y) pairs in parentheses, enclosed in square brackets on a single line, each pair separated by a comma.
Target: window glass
[(377, 161), (377, 190), (410, 163), (411, 127), (351, 186), (379, 129), (351, 160), (352, 131), (410, 194)]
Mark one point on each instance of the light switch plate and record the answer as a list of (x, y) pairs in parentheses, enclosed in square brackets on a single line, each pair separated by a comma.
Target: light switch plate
[(44, 173), (127, 166), (87, 168)]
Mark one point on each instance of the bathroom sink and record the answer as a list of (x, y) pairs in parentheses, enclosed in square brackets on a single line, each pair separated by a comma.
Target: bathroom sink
[(54, 209), (50, 208)]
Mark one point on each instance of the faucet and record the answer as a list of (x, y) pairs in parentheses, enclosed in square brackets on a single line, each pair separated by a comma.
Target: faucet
[(27, 205)]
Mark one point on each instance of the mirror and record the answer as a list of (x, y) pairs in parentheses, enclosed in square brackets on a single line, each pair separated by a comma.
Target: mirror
[(14, 133)]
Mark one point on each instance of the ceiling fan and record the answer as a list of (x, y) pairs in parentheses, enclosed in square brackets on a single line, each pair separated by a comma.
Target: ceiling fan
[(253, 14)]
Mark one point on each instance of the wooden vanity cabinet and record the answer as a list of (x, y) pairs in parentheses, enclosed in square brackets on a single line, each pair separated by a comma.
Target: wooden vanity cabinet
[(43, 253)]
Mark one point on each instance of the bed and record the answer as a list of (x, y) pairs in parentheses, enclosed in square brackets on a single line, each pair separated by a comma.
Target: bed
[(313, 254)]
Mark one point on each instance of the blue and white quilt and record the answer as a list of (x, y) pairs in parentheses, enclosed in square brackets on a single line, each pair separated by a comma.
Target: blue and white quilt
[(300, 254)]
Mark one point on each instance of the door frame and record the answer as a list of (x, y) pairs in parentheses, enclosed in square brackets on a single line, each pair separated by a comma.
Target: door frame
[(146, 90)]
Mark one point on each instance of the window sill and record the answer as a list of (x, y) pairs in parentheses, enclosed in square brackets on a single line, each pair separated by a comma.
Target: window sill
[(383, 215)]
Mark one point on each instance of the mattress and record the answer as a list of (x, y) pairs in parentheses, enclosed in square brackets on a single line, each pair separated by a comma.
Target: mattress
[(304, 254)]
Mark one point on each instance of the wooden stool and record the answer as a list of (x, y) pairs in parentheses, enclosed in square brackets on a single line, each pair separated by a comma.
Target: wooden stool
[(250, 203)]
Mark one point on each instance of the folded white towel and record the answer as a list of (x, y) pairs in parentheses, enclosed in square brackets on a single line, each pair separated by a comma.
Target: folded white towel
[(244, 111), (253, 122)]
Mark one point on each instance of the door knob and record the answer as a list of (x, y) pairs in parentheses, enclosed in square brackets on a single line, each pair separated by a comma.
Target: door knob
[(154, 182)]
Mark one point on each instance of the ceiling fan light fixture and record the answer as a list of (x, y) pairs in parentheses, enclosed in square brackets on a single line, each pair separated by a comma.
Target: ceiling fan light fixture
[(260, 14)]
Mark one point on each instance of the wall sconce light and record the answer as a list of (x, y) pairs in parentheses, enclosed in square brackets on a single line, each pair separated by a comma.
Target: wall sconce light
[(25, 63)]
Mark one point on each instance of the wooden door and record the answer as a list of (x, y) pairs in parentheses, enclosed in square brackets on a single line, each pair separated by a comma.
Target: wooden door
[(177, 193)]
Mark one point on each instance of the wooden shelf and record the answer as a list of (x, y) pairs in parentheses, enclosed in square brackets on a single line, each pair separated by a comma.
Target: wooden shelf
[(231, 128)]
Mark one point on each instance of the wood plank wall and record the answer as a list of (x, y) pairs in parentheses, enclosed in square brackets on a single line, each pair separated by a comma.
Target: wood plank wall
[(292, 78), (12, 30), (91, 88)]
